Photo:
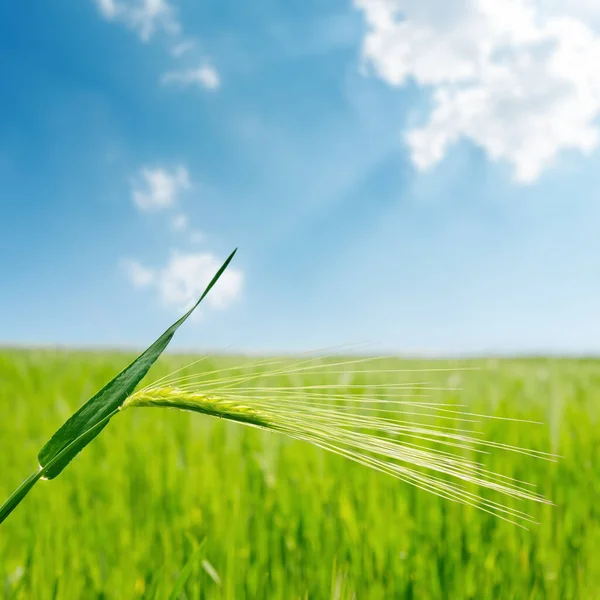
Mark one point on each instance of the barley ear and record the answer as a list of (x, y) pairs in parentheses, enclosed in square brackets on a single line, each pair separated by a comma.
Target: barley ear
[(84, 425)]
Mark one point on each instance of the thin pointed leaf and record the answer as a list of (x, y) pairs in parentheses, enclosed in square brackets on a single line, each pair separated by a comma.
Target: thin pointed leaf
[(70, 450), (18, 495), (110, 397), (185, 573)]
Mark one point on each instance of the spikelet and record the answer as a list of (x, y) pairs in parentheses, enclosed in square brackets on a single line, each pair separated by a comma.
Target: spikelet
[(390, 426)]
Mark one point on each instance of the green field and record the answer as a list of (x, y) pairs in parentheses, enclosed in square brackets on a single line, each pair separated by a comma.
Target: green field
[(171, 504)]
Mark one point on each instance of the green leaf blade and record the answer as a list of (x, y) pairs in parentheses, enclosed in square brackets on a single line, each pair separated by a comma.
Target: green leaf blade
[(103, 405), (18, 495)]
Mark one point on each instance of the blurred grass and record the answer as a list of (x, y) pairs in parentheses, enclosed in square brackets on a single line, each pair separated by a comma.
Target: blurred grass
[(165, 500)]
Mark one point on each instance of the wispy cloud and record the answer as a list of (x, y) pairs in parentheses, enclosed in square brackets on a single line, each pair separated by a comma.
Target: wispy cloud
[(205, 76), (184, 277), (519, 79), (159, 188), (182, 48), (180, 223), (196, 236), (108, 8), (146, 17), (139, 275)]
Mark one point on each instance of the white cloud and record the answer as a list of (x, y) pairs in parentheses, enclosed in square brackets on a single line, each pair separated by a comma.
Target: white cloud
[(185, 276), (108, 8), (196, 236), (159, 188), (139, 275), (146, 17), (182, 48), (143, 16), (204, 76), (519, 78), (179, 223)]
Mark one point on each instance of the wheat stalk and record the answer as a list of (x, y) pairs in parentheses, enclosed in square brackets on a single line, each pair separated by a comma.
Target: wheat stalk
[(394, 429)]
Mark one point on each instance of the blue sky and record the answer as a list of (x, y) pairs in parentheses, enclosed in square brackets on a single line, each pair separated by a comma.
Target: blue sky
[(436, 198)]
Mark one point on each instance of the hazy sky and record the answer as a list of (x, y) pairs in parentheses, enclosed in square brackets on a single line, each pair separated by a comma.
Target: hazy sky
[(422, 176)]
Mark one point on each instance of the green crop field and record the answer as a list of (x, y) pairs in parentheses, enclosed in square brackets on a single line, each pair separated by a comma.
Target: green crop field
[(167, 504)]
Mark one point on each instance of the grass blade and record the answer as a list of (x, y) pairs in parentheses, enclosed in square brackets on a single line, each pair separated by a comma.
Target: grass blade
[(85, 424), (186, 572), (18, 495), (113, 394), (70, 450)]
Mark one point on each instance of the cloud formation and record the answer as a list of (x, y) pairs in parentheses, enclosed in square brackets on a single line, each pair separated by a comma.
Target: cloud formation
[(182, 48), (146, 17), (159, 188), (519, 78), (205, 76), (139, 275), (180, 282), (180, 223)]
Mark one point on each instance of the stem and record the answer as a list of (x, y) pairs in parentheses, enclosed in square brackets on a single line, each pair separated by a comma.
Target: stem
[(18, 495), (79, 442)]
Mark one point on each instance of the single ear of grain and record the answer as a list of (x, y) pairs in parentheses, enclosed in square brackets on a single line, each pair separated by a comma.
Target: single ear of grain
[(391, 430), (222, 407)]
